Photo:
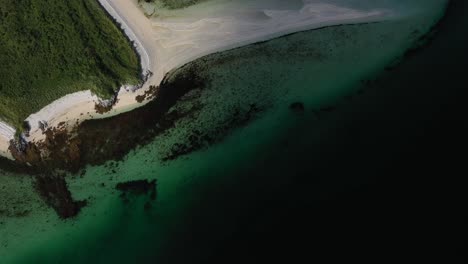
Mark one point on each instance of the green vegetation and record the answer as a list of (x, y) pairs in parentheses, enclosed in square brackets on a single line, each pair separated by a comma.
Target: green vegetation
[(50, 48), (173, 4)]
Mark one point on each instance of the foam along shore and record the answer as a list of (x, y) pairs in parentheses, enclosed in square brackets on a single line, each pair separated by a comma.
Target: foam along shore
[(173, 38)]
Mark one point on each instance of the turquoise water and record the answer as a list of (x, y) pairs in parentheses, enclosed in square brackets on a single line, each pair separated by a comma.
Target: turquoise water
[(209, 200)]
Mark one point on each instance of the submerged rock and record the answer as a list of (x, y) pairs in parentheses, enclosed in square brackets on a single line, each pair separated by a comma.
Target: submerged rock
[(297, 107), (137, 188), (54, 191)]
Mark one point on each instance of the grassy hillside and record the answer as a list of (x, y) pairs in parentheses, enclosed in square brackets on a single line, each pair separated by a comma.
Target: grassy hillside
[(173, 4), (49, 48)]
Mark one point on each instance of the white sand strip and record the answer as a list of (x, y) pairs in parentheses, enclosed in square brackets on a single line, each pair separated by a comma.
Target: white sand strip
[(57, 111), (144, 56), (174, 38), (7, 133), (222, 25)]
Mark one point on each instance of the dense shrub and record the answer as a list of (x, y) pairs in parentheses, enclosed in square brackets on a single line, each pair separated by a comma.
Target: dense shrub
[(49, 48)]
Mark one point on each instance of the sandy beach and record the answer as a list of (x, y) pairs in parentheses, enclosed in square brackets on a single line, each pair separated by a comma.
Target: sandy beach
[(7, 133), (168, 41)]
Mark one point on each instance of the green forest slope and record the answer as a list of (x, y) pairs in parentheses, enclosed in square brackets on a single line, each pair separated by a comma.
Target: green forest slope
[(50, 48), (173, 4)]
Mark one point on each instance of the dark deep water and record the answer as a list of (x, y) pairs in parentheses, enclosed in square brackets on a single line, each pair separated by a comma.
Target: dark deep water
[(380, 180), (384, 184), (376, 179)]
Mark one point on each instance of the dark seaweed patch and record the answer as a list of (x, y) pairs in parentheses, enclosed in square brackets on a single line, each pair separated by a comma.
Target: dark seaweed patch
[(137, 188), (297, 107), (54, 191)]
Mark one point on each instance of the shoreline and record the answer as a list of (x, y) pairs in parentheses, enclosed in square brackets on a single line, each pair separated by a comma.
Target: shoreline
[(173, 42), (7, 133)]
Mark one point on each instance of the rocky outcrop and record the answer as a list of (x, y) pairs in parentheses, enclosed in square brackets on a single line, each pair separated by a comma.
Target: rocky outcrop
[(54, 191), (96, 141), (136, 188)]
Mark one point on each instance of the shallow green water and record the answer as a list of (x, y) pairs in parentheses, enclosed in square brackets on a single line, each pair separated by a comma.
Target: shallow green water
[(281, 159)]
